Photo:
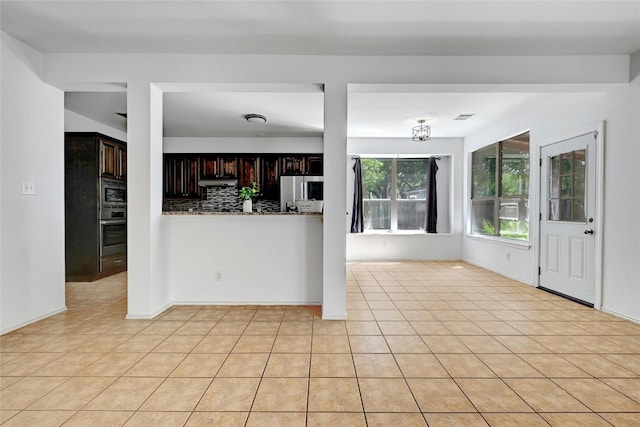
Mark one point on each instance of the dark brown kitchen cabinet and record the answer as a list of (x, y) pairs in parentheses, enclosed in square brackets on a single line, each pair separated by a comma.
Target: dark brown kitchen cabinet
[(182, 171), (270, 172), (113, 159), (314, 165), (181, 176), (94, 173), (249, 170), (292, 165)]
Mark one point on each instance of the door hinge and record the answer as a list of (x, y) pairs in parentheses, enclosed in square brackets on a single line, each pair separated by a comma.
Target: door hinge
[(540, 219), (539, 271), (540, 162)]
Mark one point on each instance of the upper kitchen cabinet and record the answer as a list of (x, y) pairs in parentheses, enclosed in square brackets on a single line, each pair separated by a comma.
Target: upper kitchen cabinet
[(269, 177), (183, 171), (181, 175), (314, 165), (249, 170), (113, 159), (301, 164)]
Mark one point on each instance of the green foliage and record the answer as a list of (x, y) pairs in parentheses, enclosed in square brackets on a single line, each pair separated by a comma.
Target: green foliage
[(247, 193), (412, 178), (376, 177), (487, 228)]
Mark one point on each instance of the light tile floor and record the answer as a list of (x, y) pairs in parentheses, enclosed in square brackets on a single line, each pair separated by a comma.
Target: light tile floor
[(425, 343)]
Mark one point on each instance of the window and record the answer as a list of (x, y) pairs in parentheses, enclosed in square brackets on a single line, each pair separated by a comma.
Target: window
[(500, 189), (394, 193)]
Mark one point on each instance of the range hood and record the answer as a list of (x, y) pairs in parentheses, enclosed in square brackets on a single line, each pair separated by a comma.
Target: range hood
[(218, 182)]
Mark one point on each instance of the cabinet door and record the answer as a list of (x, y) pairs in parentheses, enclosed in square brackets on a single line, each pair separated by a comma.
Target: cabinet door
[(123, 162), (228, 166), (314, 165), (192, 171), (209, 166), (113, 160), (108, 162), (293, 165), (249, 171), (269, 177)]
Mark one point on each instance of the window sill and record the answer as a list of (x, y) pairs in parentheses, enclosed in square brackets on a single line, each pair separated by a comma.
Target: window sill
[(401, 233), (501, 241)]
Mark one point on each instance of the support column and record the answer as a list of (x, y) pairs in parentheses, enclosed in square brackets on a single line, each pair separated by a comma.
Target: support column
[(334, 294), (147, 293)]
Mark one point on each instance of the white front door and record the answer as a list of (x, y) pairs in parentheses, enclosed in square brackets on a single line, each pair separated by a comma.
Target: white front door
[(567, 223)]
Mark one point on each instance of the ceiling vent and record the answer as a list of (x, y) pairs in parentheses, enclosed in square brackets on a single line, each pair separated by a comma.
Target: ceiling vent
[(464, 117)]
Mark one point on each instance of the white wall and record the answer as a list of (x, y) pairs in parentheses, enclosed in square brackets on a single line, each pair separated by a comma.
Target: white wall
[(32, 226), (242, 145), (263, 259), (140, 71), (74, 122), (447, 244), (556, 115)]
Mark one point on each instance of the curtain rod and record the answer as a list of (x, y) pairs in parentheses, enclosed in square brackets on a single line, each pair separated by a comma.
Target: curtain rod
[(428, 157)]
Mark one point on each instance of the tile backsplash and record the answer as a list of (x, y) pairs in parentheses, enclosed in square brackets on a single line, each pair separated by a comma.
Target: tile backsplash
[(218, 200)]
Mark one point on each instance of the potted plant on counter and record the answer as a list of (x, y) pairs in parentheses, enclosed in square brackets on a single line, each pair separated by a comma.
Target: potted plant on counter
[(247, 194)]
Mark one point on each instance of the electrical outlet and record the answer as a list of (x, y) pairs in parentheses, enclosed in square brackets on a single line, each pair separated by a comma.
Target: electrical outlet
[(28, 188), (218, 276), (508, 256)]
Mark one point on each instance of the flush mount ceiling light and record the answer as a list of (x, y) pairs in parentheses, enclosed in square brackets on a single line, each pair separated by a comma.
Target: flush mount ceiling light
[(421, 132), (464, 117), (255, 118)]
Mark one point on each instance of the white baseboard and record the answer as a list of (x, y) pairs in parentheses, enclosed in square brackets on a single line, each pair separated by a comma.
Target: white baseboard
[(509, 276), (622, 316), (177, 303), (130, 316), (30, 321)]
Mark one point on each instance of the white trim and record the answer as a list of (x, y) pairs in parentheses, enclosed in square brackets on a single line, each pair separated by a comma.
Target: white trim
[(598, 255), (401, 233), (334, 317), (230, 303), (501, 241), (501, 273), (34, 320), (226, 303), (148, 316), (621, 316)]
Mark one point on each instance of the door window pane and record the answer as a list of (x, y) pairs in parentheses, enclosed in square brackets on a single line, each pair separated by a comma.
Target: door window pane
[(567, 186)]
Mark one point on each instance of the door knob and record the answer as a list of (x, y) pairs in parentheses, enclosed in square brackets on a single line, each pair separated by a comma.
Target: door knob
[(588, 231)]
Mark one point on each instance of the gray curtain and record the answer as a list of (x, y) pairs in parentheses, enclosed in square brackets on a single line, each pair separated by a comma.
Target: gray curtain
[(431, 219), (357, 223)]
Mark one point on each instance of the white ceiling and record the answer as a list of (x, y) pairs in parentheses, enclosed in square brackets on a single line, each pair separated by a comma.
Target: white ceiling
[(360, 27)]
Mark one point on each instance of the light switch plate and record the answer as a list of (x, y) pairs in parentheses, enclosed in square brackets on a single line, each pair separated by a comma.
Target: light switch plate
[(28, 188)]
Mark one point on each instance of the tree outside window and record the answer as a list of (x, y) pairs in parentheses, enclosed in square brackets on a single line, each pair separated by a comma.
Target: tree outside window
[(500, 189), (394, 193)]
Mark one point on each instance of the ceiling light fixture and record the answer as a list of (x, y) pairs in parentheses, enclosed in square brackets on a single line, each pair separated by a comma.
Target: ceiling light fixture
[(464, 117), (421, 132), (255, 118)]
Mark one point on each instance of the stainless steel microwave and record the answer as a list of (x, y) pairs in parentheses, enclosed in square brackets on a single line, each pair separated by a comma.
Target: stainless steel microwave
[(113, 199)]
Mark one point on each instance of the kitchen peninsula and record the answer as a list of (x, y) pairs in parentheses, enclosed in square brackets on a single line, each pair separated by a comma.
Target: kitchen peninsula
[(218, 254)]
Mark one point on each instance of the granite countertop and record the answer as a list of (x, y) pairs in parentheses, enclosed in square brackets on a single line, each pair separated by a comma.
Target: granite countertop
[(241, 213)]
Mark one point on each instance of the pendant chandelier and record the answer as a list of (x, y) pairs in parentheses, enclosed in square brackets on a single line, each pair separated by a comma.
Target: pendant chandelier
[(421, 132)]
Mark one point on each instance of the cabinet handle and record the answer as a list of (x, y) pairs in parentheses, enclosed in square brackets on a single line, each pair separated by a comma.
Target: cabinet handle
[(118, 261)]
